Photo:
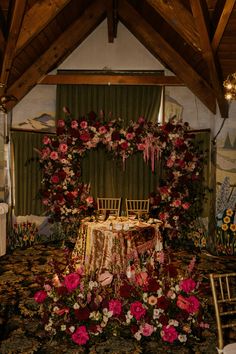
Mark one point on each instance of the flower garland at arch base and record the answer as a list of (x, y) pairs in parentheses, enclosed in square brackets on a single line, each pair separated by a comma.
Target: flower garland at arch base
[(175, 202)]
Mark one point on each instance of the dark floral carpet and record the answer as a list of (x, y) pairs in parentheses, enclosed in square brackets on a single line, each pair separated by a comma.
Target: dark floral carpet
[(21, 330)]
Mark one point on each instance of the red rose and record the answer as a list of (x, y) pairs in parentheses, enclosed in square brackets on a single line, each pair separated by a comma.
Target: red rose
[(124, 145), (162, 303)]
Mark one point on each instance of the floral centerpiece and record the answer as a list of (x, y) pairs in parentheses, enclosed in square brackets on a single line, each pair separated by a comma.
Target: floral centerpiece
[(151, 299), (66, 197)]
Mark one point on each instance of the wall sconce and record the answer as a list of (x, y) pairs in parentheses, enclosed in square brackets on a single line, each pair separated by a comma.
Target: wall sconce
[(230, 87)]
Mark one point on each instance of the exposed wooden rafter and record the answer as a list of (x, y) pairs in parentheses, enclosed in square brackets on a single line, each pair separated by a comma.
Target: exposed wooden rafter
[(106, 79), (227, 10), (201, 16), (16, 21), (155, 43), (179, 18), (111, 20), (36, 18), (93, 15)]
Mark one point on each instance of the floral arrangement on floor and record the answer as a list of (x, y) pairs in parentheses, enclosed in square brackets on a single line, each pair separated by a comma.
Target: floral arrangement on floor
[(67, 199), (23, 234), (151, 299), (226, 233)]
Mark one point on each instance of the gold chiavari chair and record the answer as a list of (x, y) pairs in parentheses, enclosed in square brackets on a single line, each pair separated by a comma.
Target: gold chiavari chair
[(136, 207), (223, 288), (110, 205)]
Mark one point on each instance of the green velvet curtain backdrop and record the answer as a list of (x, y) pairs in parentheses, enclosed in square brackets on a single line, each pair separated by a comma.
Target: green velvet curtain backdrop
[(27, 173), (108, 177)]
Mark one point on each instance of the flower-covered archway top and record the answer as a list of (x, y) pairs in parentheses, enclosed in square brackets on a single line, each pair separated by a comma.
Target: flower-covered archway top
[(67, 199)]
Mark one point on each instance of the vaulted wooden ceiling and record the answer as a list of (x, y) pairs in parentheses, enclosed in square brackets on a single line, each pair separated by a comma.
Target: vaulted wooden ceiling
[(196, 40)]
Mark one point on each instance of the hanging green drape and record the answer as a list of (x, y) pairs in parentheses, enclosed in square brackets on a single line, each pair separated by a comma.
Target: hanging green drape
[(27, 172), (203, 141), (108, 177)]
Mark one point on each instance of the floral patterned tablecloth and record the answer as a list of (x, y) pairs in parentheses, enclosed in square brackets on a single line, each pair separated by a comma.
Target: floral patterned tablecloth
[(110, 244)]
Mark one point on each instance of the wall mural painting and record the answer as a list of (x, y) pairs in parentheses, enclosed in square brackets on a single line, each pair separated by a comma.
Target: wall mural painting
[(226, 193), (44, 123)]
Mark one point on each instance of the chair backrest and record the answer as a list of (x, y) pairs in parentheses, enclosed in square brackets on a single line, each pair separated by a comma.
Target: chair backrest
[(136, 206), (112, 205), (223, 288)]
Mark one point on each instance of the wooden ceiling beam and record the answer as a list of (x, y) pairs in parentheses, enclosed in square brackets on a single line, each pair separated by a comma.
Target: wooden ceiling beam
[(157, 45), (222, 23), (14, 30), (179, 18), (93, 15), (106, 79), (200, 13), (37, 18), (111, 20)]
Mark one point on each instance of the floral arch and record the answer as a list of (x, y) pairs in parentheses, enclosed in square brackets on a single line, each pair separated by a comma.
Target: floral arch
[(66, 198)]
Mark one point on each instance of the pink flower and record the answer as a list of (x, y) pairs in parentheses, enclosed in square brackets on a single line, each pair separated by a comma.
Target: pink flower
[(74, 124), (186, 205), (72, 281), (187, 285), (176, 203), (54, 155), (45, 201), (80, 336), (169, 163), (142, 278), (163, 216), (141, 120), (83, 124), (115, 306), (55, 179), (129, 136), (45, 152), (63, 147), (46, 140), (141, 147), (169, 334), (146, 329), (102, 130), (89, 200), (40, 296), (60, 123), (105, 278), (137, 310)]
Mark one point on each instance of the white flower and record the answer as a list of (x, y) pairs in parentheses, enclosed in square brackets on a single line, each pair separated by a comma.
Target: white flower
[(63, 327), (92, 284), (157, 313), (182, 338), (55, 309), (145, 297), (107, 313), (76, 306), (137, 335), (95, 315), (173, 323), (72, 329)]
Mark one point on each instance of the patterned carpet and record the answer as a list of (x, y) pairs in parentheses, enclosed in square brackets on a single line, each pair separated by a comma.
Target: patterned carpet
[(20, 328)]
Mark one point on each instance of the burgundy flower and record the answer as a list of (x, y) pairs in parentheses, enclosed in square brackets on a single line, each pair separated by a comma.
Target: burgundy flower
[(82, 314), (85, 137), (62, 174), (126, 290), (163, 319), (153, 285), (115, 136), (163, 303)]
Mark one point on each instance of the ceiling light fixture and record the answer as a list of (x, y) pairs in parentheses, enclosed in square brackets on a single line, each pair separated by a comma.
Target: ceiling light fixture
[(230, 87)]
